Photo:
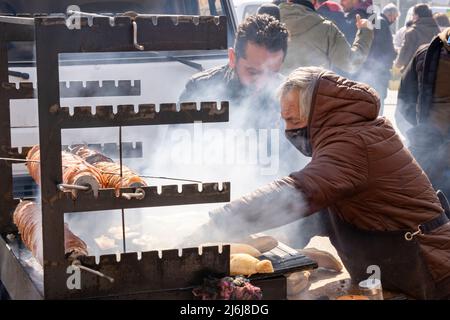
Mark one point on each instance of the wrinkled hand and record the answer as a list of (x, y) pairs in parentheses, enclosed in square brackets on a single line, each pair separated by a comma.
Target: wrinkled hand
[(363, 23)]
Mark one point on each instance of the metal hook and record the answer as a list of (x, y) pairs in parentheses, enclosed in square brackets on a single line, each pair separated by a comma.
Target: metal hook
[(410, 235), (138, 194), (135, 41)]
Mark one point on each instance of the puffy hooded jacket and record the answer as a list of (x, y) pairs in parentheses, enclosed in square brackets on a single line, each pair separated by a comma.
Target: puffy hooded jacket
[(360, 170)]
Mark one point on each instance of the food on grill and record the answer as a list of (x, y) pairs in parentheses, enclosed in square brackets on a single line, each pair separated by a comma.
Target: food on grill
[(324, 259), (263, 243), (112, 179), (297, 282), (227, 288), (74, 168), (245, 264), (105, 243), (352, 297), (28, 219), (237, 248), (109, 169), (89, 155)]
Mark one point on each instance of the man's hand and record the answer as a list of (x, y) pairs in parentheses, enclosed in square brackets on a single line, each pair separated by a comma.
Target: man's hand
[(363, 23)]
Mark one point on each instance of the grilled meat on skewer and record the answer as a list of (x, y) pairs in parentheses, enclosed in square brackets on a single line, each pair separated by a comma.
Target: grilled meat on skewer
[(28, 219), (109, 169), (74, 167)]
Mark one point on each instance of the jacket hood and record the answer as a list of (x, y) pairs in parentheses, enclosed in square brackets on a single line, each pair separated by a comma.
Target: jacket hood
[(445, 37), (332, 6), (339, 102), (426, 22), (299, 19)]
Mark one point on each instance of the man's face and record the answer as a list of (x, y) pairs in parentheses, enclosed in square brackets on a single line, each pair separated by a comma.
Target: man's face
[(392, 18), (290, 110), (347, 5), (257, 68)]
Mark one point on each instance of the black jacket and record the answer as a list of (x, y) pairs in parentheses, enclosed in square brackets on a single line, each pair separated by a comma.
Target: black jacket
[(416, 97), (337, 17), (350, 28), (376, 69), (222, 84), (418, 80)]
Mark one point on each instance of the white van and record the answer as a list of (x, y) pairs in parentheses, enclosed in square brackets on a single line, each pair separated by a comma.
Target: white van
[(244, 8)]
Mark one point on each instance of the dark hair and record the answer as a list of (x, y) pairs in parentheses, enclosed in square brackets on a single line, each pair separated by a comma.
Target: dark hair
[(409, 23), (263, 30), (441, 19), (270, 9), (422, 10)]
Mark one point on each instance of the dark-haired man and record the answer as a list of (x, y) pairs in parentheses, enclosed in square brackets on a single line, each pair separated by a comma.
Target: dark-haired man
[(252, 72)]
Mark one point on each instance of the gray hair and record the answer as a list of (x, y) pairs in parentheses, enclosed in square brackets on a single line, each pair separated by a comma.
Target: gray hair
[(303, 79), (390, 9)]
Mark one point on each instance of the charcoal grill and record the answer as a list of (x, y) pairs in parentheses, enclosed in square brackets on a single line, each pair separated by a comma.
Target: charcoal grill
[(153, 276)]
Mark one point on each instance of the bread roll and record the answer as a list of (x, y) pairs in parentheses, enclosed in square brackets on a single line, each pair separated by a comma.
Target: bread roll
[(245, 264)]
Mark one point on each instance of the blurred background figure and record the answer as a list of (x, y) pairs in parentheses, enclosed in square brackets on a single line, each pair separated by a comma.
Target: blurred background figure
[(399, 36), (442, 20), (424, 28), (270, 9), (316, 41), (332, 11), (352, 8), (376, 71), (424, 101)]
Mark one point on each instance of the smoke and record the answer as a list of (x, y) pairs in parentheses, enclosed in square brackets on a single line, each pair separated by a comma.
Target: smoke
[(249, 151)]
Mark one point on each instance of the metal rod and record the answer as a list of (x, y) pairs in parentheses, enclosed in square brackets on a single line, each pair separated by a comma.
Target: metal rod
[(63, 186), (87, 14), (78, 264), (135, 40), (121, 180), (113, 173), (17, 159), (139, 194), (18, 74), (168, 178)]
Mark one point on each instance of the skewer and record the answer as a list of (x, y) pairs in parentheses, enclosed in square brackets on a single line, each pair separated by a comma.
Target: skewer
[(64, 186), (113, 173), (77, 264), (17, 159), (138, 194), (90, 15)]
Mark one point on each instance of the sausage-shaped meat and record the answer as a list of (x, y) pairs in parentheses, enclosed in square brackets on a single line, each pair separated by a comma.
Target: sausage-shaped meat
[(28, 219), (73, 168), (109, 169)]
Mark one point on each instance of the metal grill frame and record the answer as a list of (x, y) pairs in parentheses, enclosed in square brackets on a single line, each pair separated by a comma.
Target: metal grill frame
[(152, 273)]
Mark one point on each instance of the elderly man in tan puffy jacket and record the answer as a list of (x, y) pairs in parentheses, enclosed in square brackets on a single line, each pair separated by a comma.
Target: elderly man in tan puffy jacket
[(382, 207), (315, 41)]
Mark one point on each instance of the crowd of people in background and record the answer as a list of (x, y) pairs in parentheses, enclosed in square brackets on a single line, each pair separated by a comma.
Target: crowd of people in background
[(350, 39), (338, 36), (362, 187)]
